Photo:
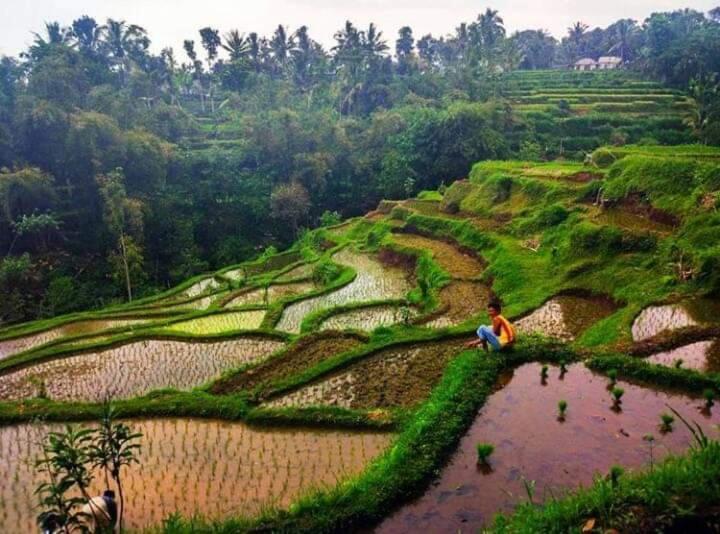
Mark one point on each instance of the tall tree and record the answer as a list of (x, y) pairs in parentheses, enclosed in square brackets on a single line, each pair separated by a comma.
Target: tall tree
[(404, 47), (123, 217)]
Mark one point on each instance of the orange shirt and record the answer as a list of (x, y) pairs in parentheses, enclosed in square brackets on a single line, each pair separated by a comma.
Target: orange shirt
[(507, 330)]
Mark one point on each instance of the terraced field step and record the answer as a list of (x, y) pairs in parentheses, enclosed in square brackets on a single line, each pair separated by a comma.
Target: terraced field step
[(374, 281), (198, 467), (12, 346), (521, 421), (393, 377), (655, 320), (134, 368), (566, 317), (271, 294), (451, 258), (219, 323), (703, 356), (308, 351)]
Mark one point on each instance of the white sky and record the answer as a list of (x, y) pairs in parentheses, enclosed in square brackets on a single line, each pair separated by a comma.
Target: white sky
[(170, 21)]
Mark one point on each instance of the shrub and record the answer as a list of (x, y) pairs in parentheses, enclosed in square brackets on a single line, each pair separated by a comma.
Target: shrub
[(603, 158), (325, 272), (330, 218)]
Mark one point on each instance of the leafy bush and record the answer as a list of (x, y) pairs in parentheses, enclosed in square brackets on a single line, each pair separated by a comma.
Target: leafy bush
[(325, 272)]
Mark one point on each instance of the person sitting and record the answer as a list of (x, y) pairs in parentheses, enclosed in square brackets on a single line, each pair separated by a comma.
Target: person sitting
[(102, 511), (500, 334)]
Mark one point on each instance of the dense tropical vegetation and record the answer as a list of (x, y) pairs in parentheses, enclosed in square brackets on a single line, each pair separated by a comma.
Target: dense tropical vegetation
[(123, 172)]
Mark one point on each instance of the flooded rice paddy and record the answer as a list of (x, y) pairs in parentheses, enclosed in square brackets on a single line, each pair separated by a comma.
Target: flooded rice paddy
[(374, 281), (654, 320), (565, 317), (219, 323), (702, 356), (20, 344), (392, 377), (368, 319), (193, 466), (455, 262), (273, 293), (531, 445), (307, 352), (134, 369)]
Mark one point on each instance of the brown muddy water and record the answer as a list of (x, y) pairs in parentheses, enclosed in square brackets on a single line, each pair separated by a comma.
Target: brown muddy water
[(194, 466), (20, 344), (134, 369), (520, 420), (702, 356), (667, 317), (374, 281), (566, 317)]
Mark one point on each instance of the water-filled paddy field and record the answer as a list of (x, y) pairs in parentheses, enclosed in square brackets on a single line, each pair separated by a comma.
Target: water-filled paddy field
[(270, 295), (134, 369), (374, 281), (565, 317), (19, 344), (194, 466), (654, 320), (702, 356), (532, 446)]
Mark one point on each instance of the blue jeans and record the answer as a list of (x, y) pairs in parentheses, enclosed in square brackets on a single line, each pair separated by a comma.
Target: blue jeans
[(486, 334)]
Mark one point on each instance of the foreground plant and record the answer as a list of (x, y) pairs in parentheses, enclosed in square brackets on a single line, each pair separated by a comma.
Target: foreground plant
[(617, 394), (614, 475), (666, 422), (115, 447), (484, 451), (562, 409), (612, 375), (709, 396)]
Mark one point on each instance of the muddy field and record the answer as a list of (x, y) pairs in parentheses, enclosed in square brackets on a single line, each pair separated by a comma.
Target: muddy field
[(667, 317), (274, 293), (306, 353), (702, 356), (460, 300), (392, 377), (565, 317), (16, 345), (219, 323), (374, 281), (531, 444), (457, 263), (193, 466), (134, 369)]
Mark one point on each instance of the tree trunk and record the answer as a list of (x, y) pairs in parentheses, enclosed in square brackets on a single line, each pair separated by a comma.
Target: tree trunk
[(118, 527), (123, 253)]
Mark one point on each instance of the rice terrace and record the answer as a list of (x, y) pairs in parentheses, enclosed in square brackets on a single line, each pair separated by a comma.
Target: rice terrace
[(467, 283)]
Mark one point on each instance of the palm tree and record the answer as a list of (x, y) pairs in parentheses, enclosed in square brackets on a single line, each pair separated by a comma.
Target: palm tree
[(55, 35), (305, 57), (576, 34), (236, 45), (124, 43), (254, 49), (625, 29), (87, 33), (281, 46), (373, 43), (491, 27)]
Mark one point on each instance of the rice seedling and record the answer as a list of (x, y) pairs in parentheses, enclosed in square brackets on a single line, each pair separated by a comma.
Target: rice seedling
[(709, 396), (484, 451), (562, 410), (614, 475), (612, 374), (617, 395), (666, 422)]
